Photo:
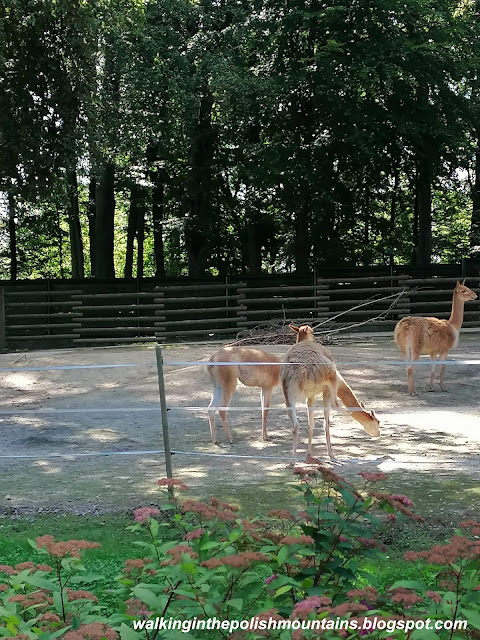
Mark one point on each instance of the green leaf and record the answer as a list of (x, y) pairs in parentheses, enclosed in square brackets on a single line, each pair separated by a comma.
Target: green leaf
[(127, 633), (424, 634), (149, 598), (57, 603), (409, 584), (282, 554), (473, 596), (236, 603), (282, 590), (41, 583), (349, 498), (153, 527), (472, 616), (188, 567)]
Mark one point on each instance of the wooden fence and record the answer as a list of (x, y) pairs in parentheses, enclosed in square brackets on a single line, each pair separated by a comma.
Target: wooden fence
[(127, 311)]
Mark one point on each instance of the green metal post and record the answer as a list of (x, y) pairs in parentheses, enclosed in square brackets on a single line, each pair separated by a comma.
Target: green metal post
[(163, 406)]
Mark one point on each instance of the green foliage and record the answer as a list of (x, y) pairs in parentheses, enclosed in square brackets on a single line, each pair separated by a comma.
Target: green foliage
[(287, 567), (267, 135)]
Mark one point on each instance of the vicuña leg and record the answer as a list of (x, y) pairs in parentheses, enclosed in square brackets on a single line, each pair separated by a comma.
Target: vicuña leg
[(311, 424), (442, 356), (327, 400), (432, 370), (410, 380), (222, 396), (265, 397), (290, 402)]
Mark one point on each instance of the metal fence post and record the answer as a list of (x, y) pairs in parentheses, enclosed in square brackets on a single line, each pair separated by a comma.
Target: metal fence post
[(163, 406)]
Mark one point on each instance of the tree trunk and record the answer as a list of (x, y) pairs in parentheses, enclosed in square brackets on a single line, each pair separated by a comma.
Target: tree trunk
[(131, 232), (12, 229), (60, 242), (92, 216), (158, 193), (140, 206), (302, 242), (423, 206), (475, 191), (254, 249), (105, 218), (76, 243), (199, 222)]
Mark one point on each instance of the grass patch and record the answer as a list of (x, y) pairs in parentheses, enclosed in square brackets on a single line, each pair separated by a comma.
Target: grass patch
[(110, 531)]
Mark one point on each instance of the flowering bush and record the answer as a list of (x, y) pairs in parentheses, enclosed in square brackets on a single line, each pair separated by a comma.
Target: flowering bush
[(293, 567)]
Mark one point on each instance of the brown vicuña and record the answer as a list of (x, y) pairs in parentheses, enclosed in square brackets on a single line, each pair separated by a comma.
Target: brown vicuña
[(431, 336), (315, 373), (225, 377)]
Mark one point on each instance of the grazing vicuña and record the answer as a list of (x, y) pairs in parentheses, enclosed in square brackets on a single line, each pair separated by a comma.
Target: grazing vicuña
[(315, 373)]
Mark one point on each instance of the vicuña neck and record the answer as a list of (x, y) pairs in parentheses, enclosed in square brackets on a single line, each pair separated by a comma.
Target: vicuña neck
[(456, 317), (345, 393)]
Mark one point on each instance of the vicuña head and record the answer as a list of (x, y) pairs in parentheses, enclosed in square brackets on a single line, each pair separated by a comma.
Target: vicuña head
[(368, 420), (463, 292), (304, 332)]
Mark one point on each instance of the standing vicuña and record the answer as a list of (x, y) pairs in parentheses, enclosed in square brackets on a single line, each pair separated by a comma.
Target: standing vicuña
[(431, 336), (315, 373), (224, 378)]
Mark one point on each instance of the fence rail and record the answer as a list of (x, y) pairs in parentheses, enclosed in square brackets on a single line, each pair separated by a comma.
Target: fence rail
[(59, 314)]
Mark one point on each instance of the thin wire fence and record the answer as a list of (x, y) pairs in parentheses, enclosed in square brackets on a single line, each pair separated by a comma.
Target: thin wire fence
[(163, 408)]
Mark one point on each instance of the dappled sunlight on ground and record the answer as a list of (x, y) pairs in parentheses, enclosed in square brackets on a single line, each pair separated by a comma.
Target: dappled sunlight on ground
[(431, 433)]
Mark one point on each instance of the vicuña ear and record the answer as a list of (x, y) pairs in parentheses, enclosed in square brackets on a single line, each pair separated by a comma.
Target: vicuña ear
[(293, 327), (463, 282)]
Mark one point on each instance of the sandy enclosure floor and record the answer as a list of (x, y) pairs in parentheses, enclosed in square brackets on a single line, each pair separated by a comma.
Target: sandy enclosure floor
[(429, 443)]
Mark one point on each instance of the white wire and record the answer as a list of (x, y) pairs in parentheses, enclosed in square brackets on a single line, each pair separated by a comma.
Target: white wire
[(336, 362)]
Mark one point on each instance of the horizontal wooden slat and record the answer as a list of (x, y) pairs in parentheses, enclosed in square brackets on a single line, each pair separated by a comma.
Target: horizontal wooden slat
[(172, 334), (42, 337), (320, 298), (109, 296), (23, 294), (200, 287), (130, 307), (18, 316), (33, 303), (362, 279), (69, 325), (113, 319), (78, 340)]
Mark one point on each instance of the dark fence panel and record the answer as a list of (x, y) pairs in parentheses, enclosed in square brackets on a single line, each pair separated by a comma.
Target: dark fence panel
[(62, 313)]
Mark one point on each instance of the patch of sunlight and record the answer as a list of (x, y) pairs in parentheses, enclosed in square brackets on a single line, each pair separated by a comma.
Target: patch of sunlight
[(102, 435), (26, 420), (194, 472), (19, 381), (473, 490), (109, 385), (260, 445), (47, 467), (452, 422)]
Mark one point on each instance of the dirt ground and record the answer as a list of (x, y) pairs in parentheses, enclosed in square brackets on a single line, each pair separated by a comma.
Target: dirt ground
[(428, 444)]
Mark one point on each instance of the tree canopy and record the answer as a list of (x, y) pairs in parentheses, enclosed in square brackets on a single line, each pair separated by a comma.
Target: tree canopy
[(170, 137)]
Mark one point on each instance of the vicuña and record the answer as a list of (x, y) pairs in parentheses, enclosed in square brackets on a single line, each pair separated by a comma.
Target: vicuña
[(265, 375), (431, 336), (315, 373)]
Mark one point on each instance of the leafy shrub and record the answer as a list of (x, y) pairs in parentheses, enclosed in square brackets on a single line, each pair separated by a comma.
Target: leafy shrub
[(292, 567)]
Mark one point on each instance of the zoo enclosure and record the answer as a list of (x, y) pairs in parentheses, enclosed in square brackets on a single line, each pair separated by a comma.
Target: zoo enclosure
[(66, 313)]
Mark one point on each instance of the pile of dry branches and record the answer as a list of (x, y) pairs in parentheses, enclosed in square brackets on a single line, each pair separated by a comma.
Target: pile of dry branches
[(278, 332)]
